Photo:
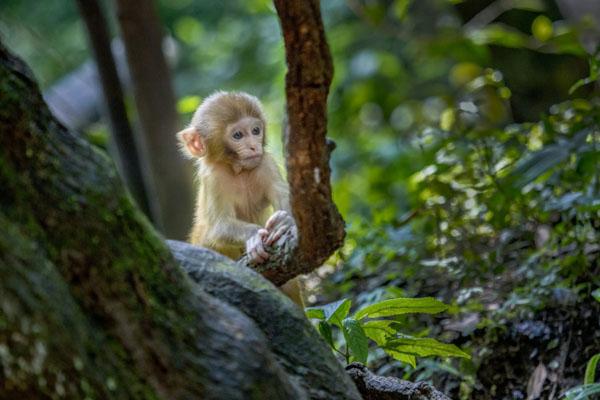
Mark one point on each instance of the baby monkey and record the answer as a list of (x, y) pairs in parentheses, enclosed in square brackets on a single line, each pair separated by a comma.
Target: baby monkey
[(239, 181)]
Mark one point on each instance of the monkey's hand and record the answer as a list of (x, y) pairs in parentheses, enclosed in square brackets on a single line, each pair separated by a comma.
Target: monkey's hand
[(255, 247), (279, 224)]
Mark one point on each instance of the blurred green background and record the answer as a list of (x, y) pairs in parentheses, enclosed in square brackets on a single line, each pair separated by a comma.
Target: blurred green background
[(466, 168)]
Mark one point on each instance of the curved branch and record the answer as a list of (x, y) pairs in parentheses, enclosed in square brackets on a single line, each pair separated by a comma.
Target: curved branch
[(310, 70), (375, 387)]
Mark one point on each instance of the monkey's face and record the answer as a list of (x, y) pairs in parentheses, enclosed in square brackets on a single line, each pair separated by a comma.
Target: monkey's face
[(244, 141)]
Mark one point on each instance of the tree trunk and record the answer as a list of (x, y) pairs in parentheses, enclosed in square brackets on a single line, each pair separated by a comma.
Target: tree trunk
[(155, 101), (310, 70), (295, 343), (122, 133), (93, 304)]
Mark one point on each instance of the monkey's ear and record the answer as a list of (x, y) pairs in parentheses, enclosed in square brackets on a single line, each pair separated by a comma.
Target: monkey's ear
[(191, 142)]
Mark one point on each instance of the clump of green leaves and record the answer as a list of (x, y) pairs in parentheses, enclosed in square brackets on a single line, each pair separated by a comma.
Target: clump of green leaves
[(376, 323)]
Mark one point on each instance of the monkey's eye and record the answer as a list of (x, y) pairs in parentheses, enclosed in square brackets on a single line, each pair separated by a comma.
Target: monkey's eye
[(237, 135), (256, 130)]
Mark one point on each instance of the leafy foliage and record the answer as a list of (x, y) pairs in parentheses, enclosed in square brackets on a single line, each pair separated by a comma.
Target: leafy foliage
[(466, 163), (362, 326)]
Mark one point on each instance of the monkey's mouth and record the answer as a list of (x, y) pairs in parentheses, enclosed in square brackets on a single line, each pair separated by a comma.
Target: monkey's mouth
[(251, 162)]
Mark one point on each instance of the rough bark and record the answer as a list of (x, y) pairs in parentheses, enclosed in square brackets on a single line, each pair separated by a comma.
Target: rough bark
[(155, 102), (374, 387), (93, 305), (122, 133), (310, 70), (306, 359)]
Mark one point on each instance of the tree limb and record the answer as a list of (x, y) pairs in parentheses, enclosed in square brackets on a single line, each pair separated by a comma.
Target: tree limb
[(121, 130), (374, 387), (155, 103), (310, 70)]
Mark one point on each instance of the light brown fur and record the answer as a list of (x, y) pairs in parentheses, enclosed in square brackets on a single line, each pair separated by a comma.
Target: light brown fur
[(230, 208), (239, 182)]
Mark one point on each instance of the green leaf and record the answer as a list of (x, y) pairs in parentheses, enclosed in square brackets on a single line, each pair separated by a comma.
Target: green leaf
[(325, 331), (564, 202), (188, 104), (399, 306), (401, 8), (581, 82), (596, 294), (590, 370), (447, 119), (189, 30), (594, 75), (582, 392), (537, 163), (314, 312), (403, 357), (500, 35), (542, 28), (424, 347), (356, 340), (531, 167), (379, 331), (336, 312), (333, 312)]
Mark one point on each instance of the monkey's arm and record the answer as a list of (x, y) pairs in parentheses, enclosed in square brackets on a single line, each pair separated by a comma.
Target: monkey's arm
[(279, 196), (230, 231), (216, 212), (224, 230)]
